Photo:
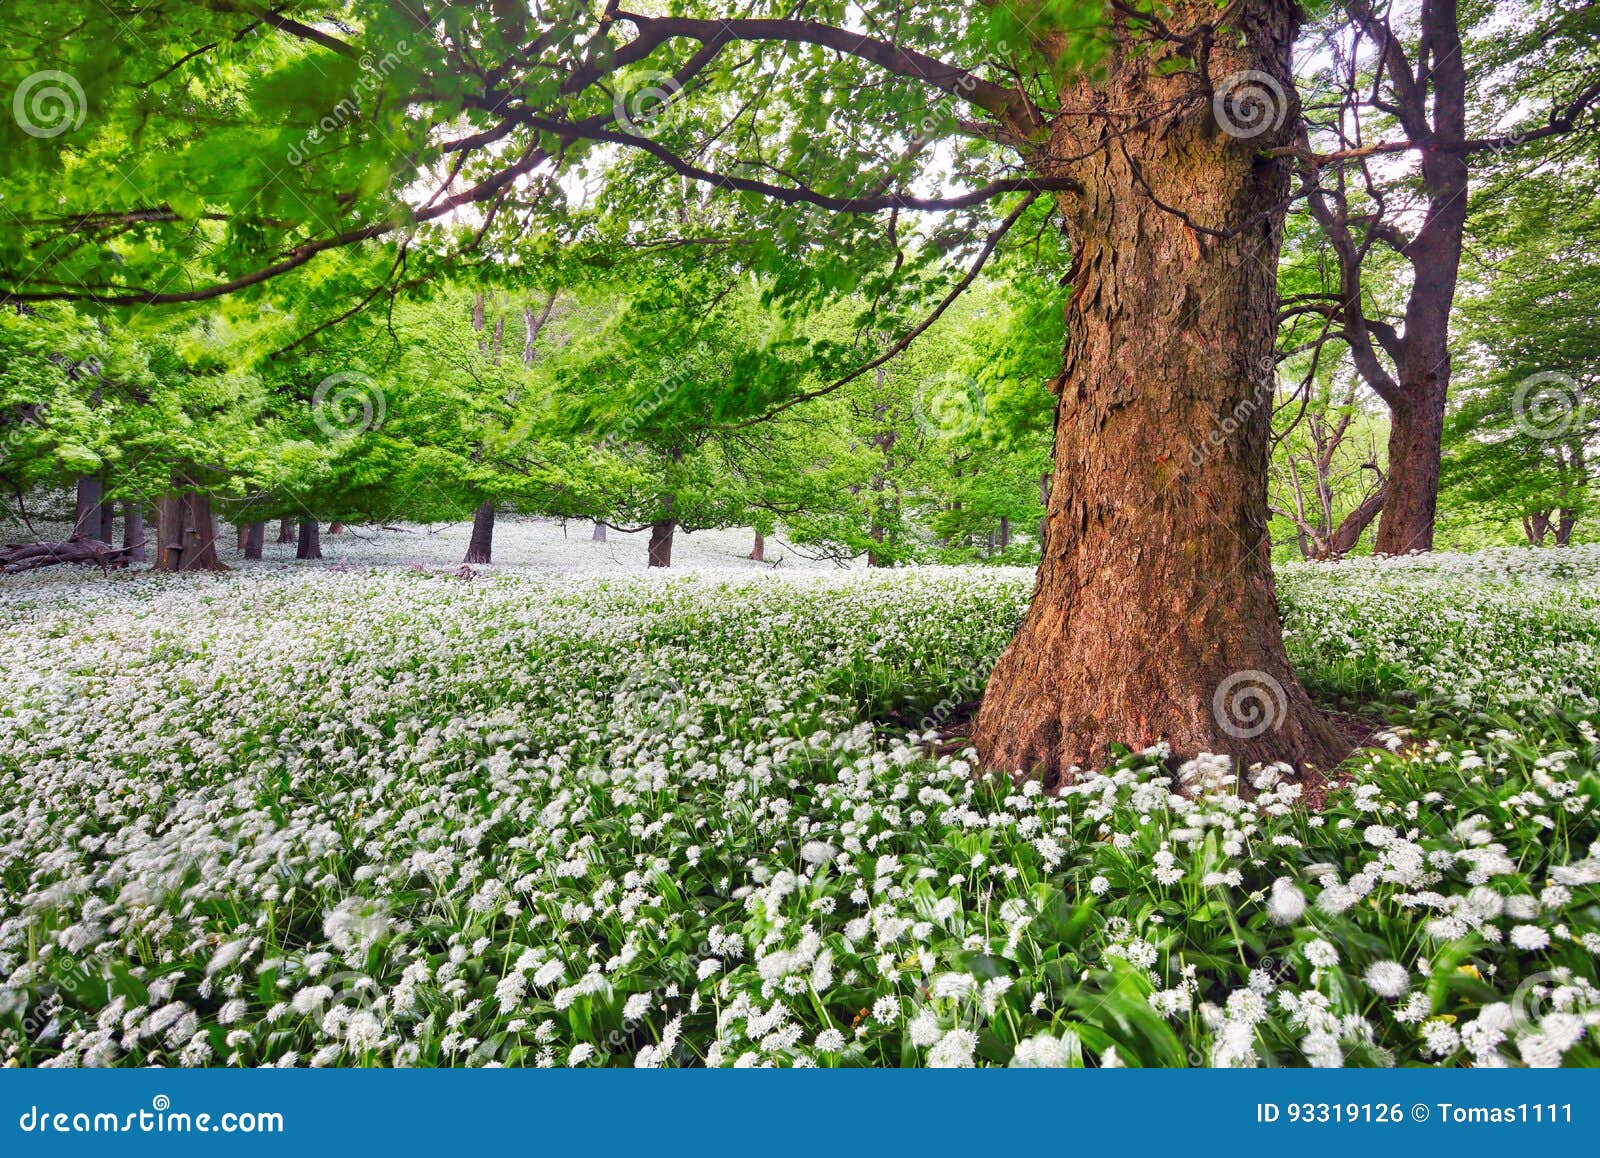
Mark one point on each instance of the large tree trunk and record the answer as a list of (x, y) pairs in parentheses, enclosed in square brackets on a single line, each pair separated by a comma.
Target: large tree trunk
[(336, 528), (285, 530), (108, 521), (187, 534), (241, 533), (1153, 616), (133, 530), (599, 531), (481, 546), (254, 539), (91, 492), (1564, 525), (661, 542), (310, 544)]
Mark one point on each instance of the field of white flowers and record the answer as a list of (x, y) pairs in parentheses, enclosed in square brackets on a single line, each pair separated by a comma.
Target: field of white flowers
[(334, 814)]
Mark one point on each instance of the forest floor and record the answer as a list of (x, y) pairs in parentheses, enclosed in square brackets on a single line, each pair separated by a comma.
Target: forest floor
[(519, 542), (573, 813)]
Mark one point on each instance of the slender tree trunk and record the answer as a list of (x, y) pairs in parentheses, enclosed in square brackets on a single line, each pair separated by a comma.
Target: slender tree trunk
[(1153, 616), (759, 551), (532, 324), (1535, 527), (133, 530), (599, 531), (241, 533), (310, 544), (255, 538), (661, 542), (1005, 533), (336, 528), (91, 493), (1348, 533), (480, 548), (285, 530)]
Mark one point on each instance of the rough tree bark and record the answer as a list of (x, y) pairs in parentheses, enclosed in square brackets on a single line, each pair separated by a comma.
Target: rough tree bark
[(310, 544), (241, 532), (335, 528), (1416, 439), (255, 538), (187, 534), (480, 548), (759, 551), (86, 523), (285, 530), (1153, 615), (661, 542)]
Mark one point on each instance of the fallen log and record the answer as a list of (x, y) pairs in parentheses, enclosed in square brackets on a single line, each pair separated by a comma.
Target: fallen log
[(18, 557)]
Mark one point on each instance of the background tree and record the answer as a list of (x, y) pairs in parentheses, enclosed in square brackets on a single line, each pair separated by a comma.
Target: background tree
[(1523, 438), (1395, 122)]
